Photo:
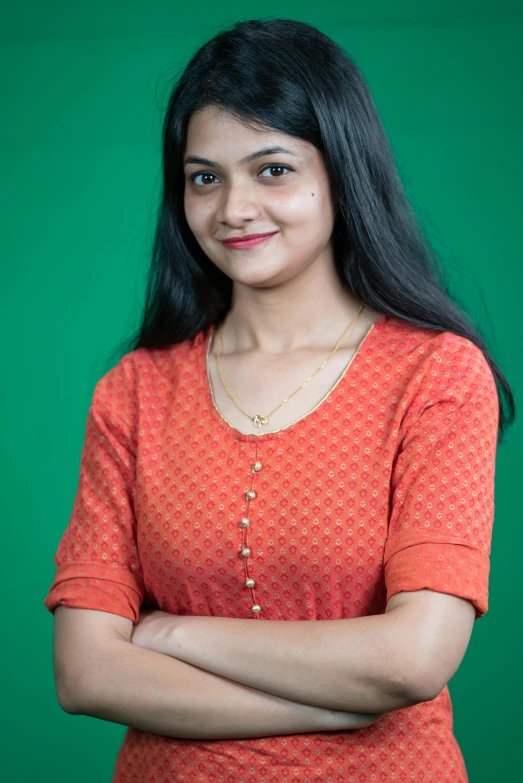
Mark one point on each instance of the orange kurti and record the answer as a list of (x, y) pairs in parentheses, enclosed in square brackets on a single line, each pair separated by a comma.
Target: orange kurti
[(387, 485)]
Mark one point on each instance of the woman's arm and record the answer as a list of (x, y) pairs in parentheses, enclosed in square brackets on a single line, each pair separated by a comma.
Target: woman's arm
[(100, 673), (372, 663), (363, 664), (158, 694)]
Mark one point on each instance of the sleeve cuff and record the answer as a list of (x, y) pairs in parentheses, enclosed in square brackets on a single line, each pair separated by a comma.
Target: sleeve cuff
[(438, 563), (76, 588)]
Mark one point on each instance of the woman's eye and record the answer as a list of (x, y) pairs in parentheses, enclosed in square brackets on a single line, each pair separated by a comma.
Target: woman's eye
[(210, 174), (276, 166), (201, 174)]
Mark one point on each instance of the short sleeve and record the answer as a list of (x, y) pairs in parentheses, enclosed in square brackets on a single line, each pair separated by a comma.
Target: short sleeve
[(442, 486), (97, 563)]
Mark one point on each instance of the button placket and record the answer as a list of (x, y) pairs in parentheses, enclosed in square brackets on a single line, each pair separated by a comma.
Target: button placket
[(245, 550)]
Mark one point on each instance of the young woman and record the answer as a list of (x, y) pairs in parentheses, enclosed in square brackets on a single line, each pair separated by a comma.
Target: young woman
[(304, 429)]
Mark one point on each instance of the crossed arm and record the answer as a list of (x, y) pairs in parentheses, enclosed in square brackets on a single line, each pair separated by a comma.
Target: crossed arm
[(210, 677), (374, 663)]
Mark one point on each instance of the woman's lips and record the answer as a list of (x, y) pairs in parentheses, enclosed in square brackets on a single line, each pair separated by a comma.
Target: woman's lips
[(245, 244)]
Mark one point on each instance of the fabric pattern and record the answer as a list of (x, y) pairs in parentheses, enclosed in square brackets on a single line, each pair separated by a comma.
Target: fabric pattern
[(386, 486)]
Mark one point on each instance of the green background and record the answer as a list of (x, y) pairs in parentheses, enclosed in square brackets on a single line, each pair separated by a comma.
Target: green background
[(84, 89)]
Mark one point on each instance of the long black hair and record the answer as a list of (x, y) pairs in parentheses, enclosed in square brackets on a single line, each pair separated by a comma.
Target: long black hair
[(286, 75)]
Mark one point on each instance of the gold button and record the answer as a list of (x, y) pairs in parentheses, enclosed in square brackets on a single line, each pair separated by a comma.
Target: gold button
[(250, 495), (256, 608), (256, 467), (249, 583), (246, 552), (244, 522)]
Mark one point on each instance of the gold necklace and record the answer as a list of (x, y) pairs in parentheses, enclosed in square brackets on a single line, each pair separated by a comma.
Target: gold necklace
[(259, 420)]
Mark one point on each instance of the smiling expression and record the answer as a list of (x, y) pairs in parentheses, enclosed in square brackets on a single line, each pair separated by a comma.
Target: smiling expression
[(240, 181)]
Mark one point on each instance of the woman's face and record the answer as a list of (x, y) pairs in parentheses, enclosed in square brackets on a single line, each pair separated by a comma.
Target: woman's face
[(286, 192)]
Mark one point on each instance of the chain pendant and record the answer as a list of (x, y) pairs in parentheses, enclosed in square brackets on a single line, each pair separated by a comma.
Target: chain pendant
[(258, 420)]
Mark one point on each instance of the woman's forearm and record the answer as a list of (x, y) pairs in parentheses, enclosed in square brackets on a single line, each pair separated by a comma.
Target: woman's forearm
[(153, 692)]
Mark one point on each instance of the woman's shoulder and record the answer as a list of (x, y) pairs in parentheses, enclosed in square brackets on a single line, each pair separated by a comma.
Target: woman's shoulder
[(416, 344), (433, 364), (145, 376)]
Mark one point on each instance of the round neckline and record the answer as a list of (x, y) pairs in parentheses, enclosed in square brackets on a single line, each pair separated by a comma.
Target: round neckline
[(205, 343)]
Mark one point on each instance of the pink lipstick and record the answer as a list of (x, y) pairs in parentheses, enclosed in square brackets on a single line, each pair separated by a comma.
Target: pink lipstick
[(244, 244)]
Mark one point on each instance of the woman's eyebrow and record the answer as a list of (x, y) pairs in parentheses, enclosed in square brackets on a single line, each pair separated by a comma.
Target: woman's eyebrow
[(248, 159)]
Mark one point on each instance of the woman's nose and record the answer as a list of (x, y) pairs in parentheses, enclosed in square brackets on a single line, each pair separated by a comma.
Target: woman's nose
[(238, 202)]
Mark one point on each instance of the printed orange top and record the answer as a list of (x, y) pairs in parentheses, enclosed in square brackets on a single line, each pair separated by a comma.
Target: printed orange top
[(387, 485)]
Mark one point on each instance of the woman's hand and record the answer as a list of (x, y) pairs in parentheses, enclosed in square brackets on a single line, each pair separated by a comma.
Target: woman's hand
[(354, 720), (155, 631)]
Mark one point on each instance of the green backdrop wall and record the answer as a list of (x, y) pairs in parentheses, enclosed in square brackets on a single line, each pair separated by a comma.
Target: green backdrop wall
[(84, 86)]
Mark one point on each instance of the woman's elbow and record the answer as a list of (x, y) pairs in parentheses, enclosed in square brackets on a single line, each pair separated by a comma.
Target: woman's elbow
[(65, 697)]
